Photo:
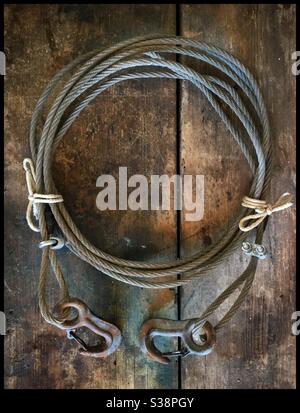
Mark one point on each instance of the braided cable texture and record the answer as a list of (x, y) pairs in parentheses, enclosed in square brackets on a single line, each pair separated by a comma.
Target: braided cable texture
[(142, 58)]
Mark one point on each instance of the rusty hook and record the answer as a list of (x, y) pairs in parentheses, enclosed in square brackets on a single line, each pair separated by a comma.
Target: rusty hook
[(173, 328), (85, 318)]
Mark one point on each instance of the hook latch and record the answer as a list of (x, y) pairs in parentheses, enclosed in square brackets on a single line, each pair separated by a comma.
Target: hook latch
[(85, 318), (184, 329)]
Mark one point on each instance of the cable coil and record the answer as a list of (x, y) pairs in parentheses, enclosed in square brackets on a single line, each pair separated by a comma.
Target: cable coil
[(143, 58)]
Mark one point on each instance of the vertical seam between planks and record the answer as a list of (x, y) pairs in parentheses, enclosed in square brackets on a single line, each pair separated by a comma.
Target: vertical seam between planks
[(178, 171), (2, 381)]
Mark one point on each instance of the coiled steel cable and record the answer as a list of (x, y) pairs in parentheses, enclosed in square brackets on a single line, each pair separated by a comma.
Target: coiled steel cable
[(142, 58)]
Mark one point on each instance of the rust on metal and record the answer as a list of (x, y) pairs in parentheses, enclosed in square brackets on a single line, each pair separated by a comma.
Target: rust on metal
[(173, 328), (85, 318)]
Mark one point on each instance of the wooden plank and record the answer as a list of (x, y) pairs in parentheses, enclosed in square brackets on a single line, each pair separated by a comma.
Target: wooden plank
[(129, 125), (257, 349)]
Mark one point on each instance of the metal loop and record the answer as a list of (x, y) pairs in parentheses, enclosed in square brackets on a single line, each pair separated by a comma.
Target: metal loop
[(55, 243)]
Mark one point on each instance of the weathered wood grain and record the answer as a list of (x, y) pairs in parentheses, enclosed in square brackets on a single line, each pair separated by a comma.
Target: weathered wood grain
[(129, 125), (133, 125), (257, 349)]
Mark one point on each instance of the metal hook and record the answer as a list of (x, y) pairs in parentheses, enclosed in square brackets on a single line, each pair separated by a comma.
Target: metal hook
[(85, 318), (173, 328)]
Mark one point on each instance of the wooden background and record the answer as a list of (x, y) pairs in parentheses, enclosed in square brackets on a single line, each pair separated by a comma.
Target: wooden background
[(153, 126)]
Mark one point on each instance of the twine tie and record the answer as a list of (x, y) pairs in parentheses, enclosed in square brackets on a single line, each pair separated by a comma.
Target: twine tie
[(35, 198), (262, 209)]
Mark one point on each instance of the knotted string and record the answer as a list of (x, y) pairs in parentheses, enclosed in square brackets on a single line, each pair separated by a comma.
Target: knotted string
[(35, 198), (262, 209)]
